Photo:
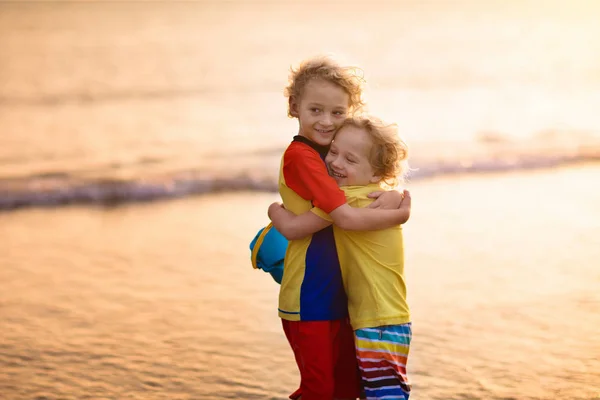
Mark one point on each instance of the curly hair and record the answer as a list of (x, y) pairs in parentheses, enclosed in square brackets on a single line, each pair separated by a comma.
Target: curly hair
[(351, 79), (389, 153)]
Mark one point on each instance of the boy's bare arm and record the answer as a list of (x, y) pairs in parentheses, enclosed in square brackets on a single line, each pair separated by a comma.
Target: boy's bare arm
[(294, 226), (366, 219)]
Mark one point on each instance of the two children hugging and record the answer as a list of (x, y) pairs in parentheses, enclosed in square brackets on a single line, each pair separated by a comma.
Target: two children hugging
[(342, 299)]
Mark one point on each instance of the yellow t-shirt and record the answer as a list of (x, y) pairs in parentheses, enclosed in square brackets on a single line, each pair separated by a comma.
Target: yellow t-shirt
[(372, 264)]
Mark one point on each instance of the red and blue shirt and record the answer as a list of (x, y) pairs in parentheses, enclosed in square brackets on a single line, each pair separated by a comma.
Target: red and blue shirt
[(311, 288)]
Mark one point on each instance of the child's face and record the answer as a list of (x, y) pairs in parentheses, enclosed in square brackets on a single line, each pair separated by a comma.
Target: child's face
[(321, 110), (348, 158)]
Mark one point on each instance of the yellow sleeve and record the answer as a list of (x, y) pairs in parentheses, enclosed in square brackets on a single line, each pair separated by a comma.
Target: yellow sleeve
[(321, 213)]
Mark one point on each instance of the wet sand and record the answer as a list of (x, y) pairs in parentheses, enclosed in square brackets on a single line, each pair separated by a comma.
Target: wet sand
[(158, 300)]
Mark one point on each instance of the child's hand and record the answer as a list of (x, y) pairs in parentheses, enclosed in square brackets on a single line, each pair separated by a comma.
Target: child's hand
[(406, 200), (274, 208), (406, 203), (386, 200)]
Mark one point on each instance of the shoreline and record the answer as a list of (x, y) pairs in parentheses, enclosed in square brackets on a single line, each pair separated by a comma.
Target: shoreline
[(118, 193)]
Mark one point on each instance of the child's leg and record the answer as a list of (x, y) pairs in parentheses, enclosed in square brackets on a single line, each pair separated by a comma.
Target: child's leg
[(288, 328), (312, 343), (297, 395), (382, 353), (347, 379)]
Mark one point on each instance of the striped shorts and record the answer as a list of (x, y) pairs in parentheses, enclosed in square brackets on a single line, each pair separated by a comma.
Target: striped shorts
[(382, 353)]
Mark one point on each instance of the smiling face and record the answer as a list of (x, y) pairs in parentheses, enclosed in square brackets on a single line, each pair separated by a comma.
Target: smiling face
[(348, 158), (321, 110)]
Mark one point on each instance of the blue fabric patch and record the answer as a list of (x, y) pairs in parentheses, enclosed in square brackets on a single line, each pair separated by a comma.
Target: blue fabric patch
[(322, 296), (271, 253)]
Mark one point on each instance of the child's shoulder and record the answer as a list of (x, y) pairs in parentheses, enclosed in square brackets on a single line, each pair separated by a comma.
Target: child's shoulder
[(301, 152), (358, 196), (362, 190), (300, 147)]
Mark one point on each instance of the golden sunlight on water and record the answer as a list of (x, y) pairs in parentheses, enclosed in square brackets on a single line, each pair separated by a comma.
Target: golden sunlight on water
[(159, 300), (182, 75)]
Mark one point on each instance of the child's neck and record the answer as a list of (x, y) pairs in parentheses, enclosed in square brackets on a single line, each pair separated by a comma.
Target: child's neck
[(322, 150)]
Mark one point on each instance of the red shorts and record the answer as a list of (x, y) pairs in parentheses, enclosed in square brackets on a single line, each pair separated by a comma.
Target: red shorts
[(326, 357)]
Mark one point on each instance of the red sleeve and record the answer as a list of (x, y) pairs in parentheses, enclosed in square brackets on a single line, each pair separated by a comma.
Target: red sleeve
[(305, 173)]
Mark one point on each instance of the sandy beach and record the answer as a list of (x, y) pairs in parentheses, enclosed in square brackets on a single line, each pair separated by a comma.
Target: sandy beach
[(158, 300)]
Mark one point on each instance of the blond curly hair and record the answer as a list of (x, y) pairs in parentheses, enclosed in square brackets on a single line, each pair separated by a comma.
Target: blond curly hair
[(389, 153), (351, 79)]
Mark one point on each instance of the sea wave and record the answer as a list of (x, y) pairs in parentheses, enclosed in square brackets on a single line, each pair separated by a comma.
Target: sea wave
[(55, 189), (57, 99)]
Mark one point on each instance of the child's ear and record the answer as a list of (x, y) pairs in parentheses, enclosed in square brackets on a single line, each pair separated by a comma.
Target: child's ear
[(293, 106), (375, 179)]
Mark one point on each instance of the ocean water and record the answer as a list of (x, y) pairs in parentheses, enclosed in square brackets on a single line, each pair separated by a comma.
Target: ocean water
[(159, 300), (104, 104), (120, 101)]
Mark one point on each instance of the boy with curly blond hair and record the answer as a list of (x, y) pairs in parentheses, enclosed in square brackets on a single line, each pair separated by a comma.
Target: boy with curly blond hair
[(312, 301)]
